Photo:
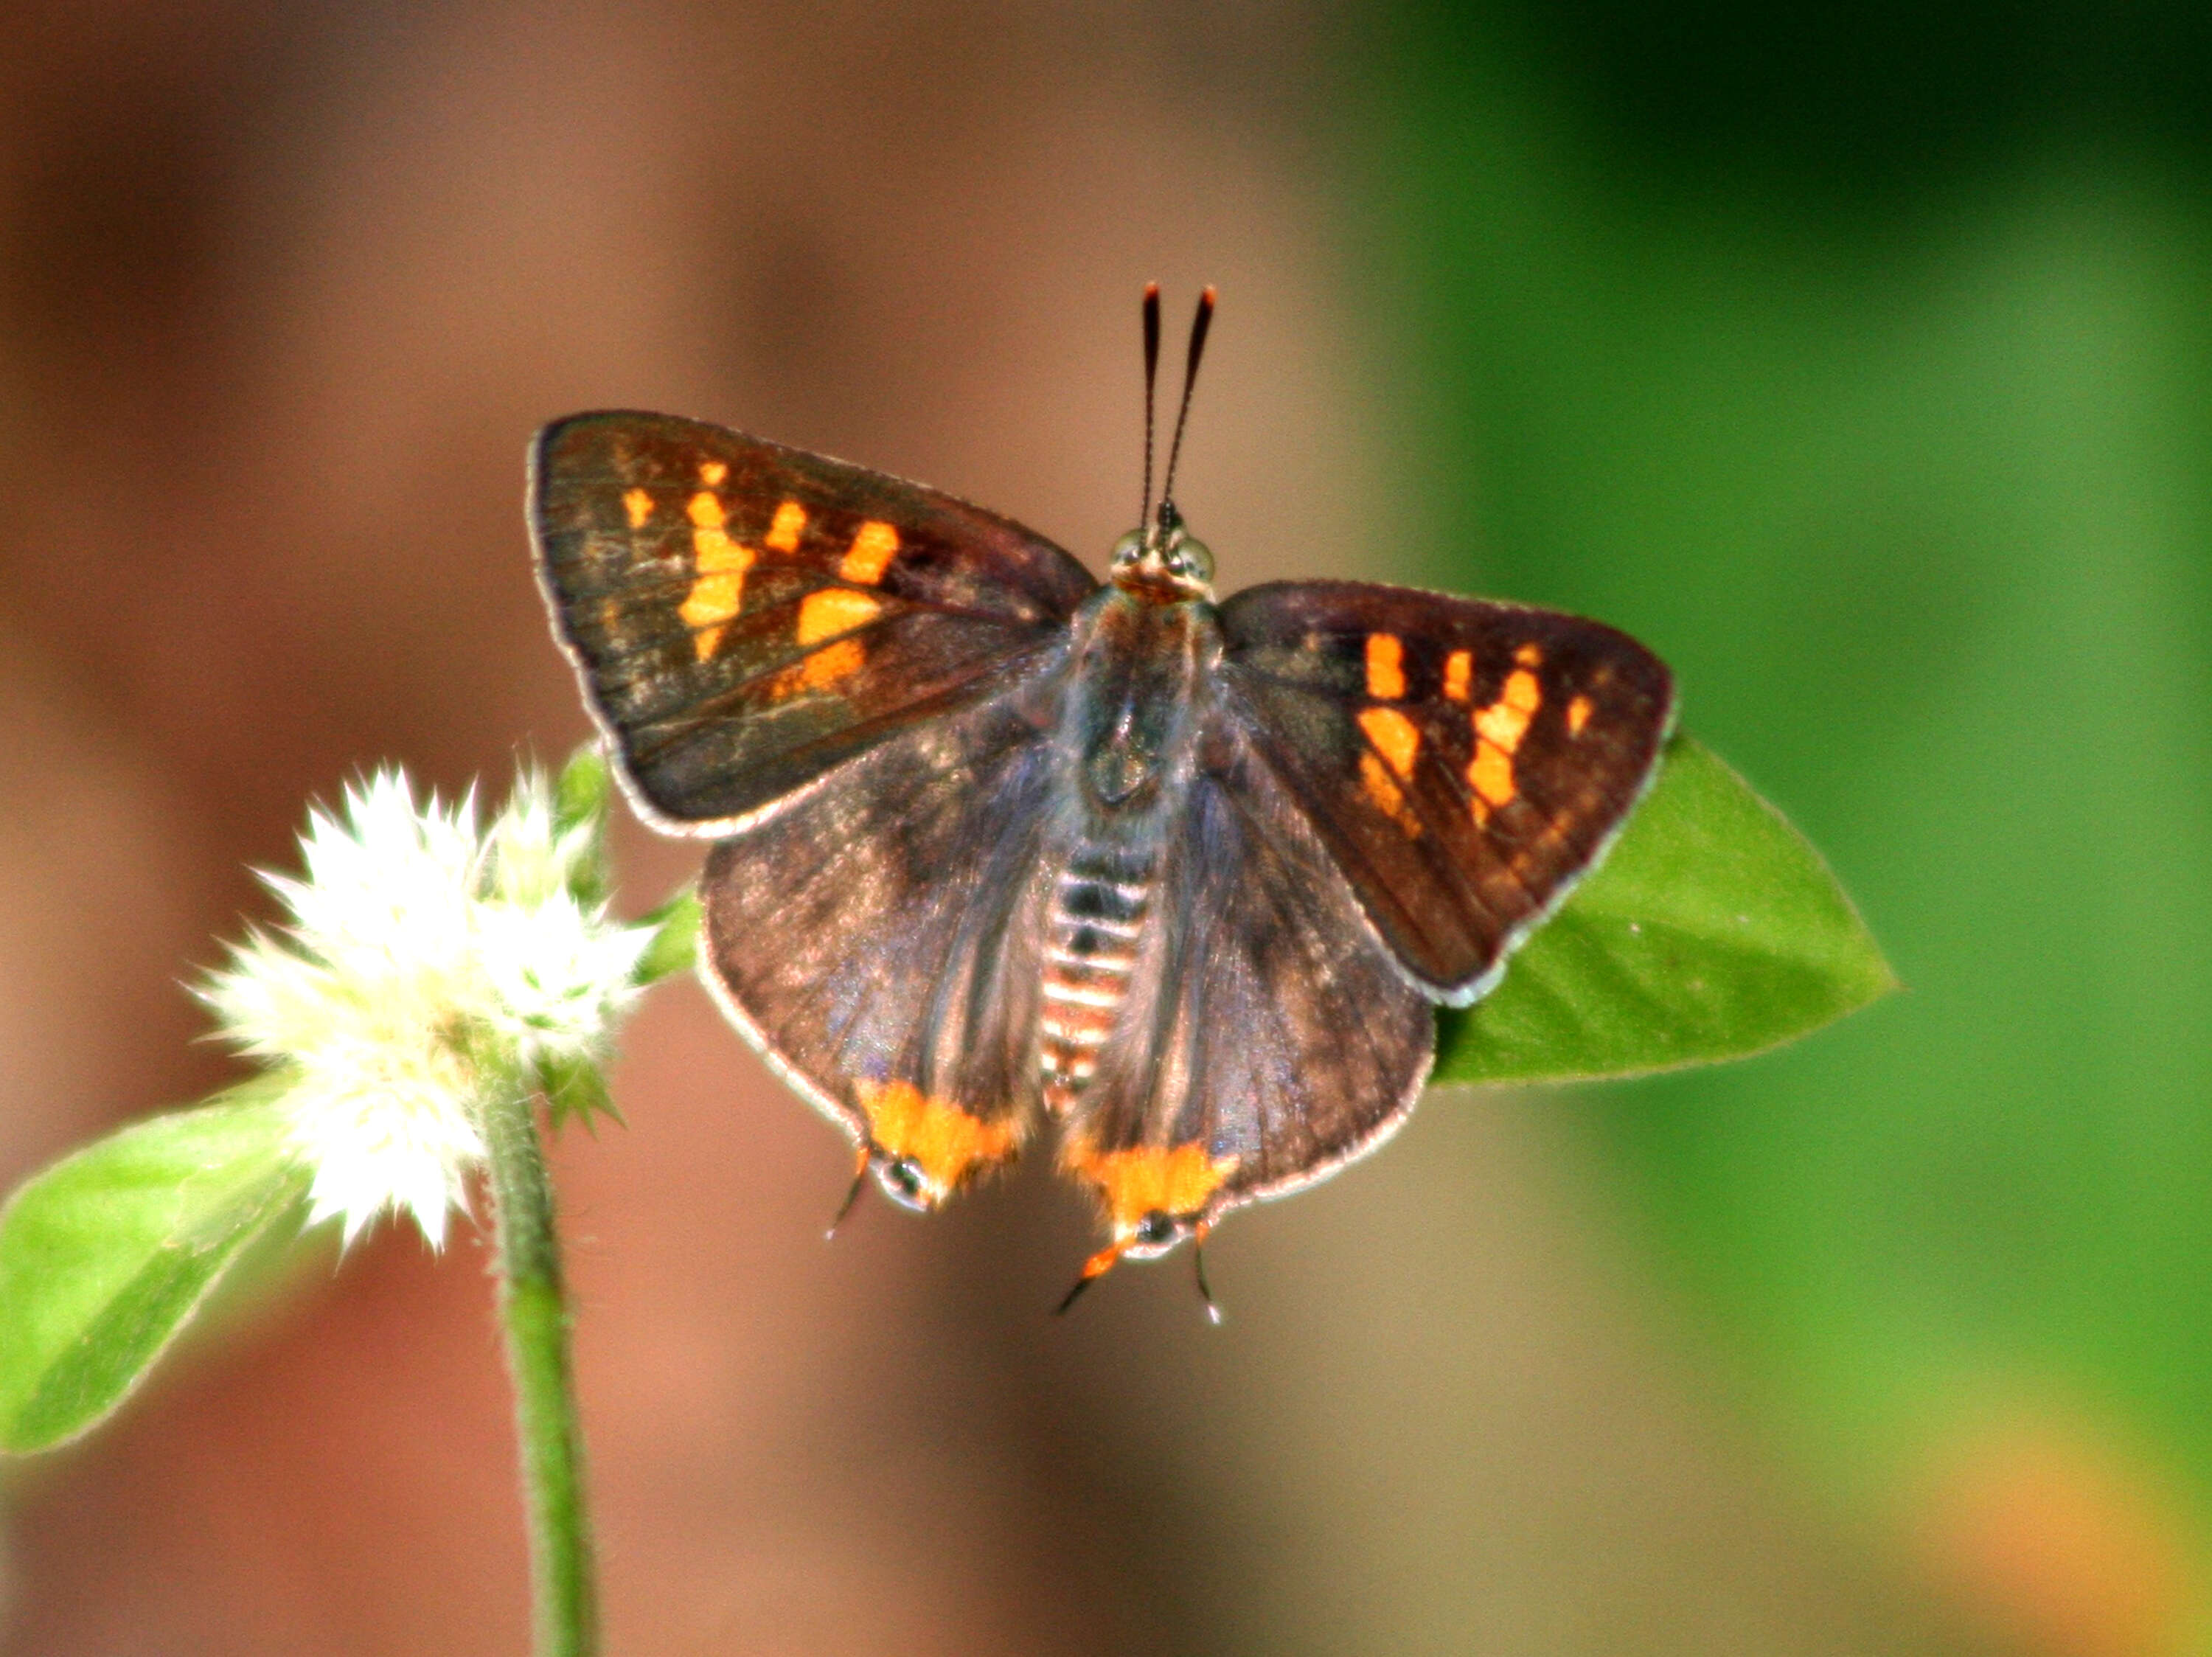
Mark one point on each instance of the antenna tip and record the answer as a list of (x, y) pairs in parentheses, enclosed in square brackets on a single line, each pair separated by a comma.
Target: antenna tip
[(1152, 290), (1208, 296)]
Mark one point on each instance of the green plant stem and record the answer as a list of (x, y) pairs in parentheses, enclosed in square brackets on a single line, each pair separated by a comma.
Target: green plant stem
[(533, 1304)]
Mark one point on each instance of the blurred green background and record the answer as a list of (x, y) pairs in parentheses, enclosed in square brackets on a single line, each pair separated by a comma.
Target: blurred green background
[(1858, 355), (1858, 359)]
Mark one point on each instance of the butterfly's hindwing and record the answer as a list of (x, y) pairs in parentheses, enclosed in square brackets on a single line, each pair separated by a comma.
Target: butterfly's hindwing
[(1269, 1036), (746, 615), (1464, 762), (880, 939)]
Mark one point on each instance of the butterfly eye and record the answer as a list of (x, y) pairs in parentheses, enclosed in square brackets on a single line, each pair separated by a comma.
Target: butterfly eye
[(1129, 548), (1192, 558)]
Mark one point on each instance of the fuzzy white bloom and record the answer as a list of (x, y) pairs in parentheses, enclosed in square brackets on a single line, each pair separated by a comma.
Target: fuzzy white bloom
[(423, 963)]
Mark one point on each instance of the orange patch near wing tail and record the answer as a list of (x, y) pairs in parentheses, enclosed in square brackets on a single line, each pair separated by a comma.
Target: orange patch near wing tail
[(1149, 1179), (945, 1142)]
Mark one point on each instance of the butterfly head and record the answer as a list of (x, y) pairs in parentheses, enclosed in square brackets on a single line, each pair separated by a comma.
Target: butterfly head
[(1160, 560), (1163, 562)]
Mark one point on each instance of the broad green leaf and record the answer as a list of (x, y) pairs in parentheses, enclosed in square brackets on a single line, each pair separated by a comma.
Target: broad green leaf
[(105, 1255), (1714, 930), (675, 941)]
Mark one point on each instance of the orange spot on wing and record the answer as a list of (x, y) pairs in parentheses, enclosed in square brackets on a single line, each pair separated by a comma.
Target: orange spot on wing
[(874, 545), (707, 610), (1490, 776), (715, 554), (1394, 737), (705, 509), (1380, 787), (1505, 721), (825, 667), (790, 524), (1150, 1179), (947, 1143), (1528, 655), (1578, 713), (832, 610), (711, 472), (1386, 670), (1459, 672), (720, 591), (639, 505), (1500, 726)]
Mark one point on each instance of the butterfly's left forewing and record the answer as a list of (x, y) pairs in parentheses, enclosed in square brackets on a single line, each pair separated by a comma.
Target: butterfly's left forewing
[(1466, 763), (747, 617)]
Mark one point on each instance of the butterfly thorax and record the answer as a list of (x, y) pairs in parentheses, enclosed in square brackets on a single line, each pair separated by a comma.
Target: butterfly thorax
[(1139, 672)]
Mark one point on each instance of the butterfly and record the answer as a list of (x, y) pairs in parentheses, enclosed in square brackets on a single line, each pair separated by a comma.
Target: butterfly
[(997, 844)]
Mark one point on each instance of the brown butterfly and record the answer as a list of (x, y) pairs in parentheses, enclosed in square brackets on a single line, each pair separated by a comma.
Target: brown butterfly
[(995, 842)]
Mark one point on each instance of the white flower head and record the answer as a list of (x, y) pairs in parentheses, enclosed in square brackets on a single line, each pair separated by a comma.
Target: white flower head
[(531, 856), (561, 977), (423, 964)]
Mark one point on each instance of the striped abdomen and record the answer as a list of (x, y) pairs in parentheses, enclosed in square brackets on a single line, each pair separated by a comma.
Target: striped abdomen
[(1097, 916)]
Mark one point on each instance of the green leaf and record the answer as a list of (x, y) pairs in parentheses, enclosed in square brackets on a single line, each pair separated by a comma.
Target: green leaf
[(106, 1255), (1713, 931), (675, 943)]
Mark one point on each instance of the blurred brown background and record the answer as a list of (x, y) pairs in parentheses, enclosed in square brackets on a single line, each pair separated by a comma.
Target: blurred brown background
[(283, 290)]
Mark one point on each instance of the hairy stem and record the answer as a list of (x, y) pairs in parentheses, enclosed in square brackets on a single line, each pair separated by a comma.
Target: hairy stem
[(533, 1305)]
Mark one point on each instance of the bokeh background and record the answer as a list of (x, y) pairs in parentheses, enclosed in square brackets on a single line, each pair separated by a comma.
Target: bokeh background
[(1858, 357)]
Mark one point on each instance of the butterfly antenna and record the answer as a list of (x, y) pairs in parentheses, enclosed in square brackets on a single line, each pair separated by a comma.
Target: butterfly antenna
[(1198, 1263), (1152, 375), (852, 1196), (1199, 325)]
